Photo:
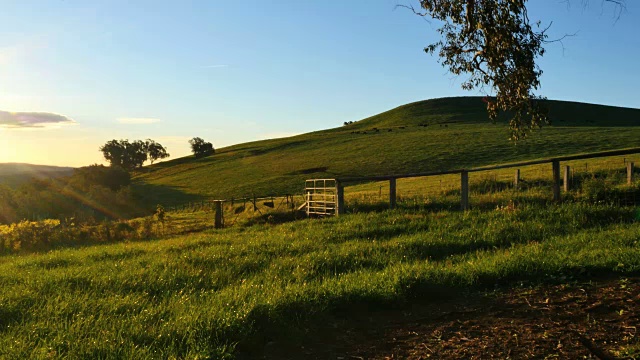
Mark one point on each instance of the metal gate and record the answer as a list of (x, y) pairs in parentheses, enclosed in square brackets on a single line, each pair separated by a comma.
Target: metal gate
[(321, 196)]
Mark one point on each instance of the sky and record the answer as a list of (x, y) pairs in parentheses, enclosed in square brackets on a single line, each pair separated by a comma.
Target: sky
[(75, 74)]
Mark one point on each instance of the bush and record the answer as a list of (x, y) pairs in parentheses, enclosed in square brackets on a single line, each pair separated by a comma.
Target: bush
[(28, 236)]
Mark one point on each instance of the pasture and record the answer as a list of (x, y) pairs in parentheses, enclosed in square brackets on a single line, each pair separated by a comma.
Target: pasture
[(431, 135), (217, 294), (173, 287)]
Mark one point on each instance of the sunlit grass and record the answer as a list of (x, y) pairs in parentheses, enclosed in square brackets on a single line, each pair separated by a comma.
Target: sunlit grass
[(206, 294), (490, 183), (434, 135)]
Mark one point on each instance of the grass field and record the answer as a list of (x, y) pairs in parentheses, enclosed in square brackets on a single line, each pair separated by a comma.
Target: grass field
[(488, 184), (432, 135), (184, 290), (216, 293)]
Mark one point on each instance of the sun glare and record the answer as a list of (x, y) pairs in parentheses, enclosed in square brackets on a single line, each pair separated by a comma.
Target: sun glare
[(7, 147)]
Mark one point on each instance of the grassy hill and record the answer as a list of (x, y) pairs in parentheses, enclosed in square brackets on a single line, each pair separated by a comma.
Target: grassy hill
[(13, 174), (423, 136)]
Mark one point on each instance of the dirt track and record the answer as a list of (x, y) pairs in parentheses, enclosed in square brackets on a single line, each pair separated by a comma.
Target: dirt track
[(576, 321)]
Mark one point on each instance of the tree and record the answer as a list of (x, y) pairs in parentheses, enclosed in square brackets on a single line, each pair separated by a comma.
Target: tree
[(495, 43), (136, 154), (132, 155), (114, 152), (155, 151), (201, 148)]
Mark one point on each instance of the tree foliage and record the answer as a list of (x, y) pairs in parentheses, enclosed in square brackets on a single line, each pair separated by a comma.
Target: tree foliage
[(496, 45), (132, 155), (201, 148), (155, 151)]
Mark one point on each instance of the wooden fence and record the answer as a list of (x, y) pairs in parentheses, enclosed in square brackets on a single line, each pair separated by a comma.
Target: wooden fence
[(217, 205), (557, 182)]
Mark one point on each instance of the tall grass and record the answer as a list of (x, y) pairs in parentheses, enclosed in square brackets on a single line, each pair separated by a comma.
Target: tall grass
[(208, 294)]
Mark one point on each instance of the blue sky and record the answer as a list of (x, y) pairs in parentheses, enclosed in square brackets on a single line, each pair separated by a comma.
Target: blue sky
[(237, 71)]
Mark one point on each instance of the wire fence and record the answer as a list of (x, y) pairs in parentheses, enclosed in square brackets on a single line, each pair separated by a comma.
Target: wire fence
[(605, 179), (597, 177), (234, 211)]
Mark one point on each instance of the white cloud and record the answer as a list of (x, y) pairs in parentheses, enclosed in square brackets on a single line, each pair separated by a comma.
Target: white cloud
[(32, 119), (138, 121)]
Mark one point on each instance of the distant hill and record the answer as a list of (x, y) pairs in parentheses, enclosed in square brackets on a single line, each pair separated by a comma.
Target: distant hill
[(423, 136), (14, 174)]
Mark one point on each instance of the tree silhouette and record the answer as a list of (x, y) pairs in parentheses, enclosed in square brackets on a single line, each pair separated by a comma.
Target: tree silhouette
[(155, 151), (496, 45), (132, 155), (201, 148)]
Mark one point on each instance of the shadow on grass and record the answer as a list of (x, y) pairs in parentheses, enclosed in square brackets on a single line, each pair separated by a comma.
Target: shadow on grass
[(150, 195), (295, 323), (275, 218), (446, 205)]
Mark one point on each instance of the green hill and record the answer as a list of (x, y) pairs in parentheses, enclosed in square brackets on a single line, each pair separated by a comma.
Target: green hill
[(423, 136), (14, 174)]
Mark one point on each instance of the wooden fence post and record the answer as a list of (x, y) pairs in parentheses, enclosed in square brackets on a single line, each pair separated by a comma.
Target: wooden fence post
[(392, 193), (567, 178), (255, 207), (630, 172), (516, 179), (556, 179), (464, 190), (339, 198), (219, 220)]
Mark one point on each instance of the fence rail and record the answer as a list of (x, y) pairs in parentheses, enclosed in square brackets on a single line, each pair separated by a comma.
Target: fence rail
[(326, 196), (287, 200), (464, 175)]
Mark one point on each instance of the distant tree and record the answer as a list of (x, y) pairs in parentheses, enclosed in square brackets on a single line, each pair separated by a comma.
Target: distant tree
[(114, 152), (155, 151), (201, 148), (132, 155), (136, 154)]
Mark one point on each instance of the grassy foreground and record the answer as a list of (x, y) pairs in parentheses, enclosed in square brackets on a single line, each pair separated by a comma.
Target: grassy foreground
[(209, 294)]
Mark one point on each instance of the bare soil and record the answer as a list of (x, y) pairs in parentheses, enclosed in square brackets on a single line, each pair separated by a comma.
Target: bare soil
[(585, 320)]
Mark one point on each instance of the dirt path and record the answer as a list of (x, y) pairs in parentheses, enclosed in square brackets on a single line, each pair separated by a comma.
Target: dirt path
[(575, 321)]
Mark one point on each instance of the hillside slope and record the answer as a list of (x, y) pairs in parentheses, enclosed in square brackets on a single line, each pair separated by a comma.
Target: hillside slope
[(423, 136), (14, 174)]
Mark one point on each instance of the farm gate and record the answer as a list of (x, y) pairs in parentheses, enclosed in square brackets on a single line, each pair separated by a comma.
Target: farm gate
[(322, 197)]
